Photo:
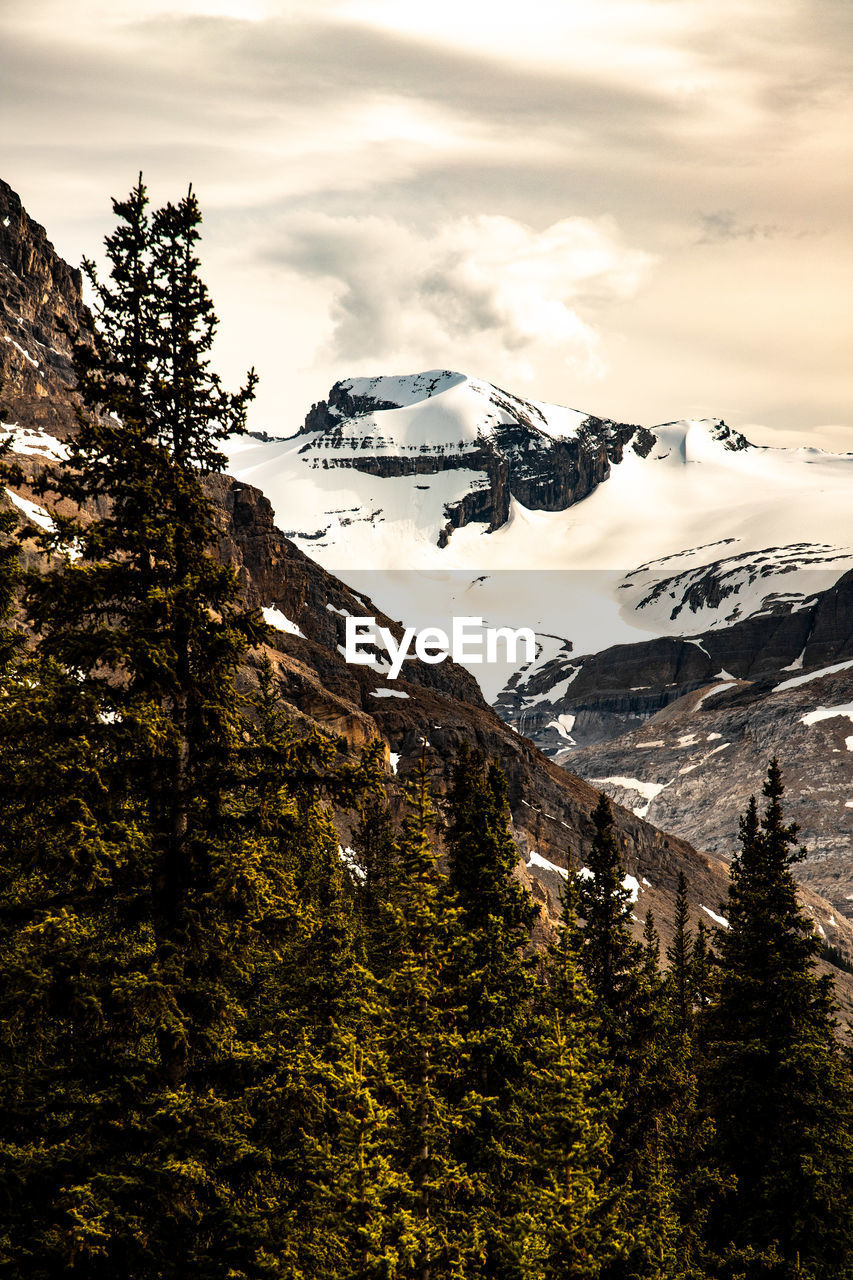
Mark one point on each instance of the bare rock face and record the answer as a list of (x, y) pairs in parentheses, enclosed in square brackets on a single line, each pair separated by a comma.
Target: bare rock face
[(692, 767), (274, 573), (517, 457), (41, 314), (614, 692), (682, 730)]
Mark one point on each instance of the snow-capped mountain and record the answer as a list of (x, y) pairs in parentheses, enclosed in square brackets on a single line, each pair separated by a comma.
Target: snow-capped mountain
[(415, 458), (441, 470), (640, 532)]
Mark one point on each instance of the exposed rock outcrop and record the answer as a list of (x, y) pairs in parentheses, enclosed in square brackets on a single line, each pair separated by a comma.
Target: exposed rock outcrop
[(517, 453), (614, 691), (692, 767), (41, 314)]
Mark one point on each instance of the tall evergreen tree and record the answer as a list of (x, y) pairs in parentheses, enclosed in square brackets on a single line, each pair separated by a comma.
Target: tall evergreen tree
[(611, 958), (628, 992), (704, 961), (426, 1053), (497, 985), (572, 1221), (375, 876), (144, 928), (651, 951), (781, 1093), (145, 617), (687, 1129), (679, 954)]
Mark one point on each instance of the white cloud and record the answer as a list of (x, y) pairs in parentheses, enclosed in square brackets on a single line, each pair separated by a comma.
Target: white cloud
[(833, 437), (474, 288)]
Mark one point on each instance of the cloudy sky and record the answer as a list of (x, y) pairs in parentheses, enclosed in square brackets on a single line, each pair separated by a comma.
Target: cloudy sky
[(641, 208)]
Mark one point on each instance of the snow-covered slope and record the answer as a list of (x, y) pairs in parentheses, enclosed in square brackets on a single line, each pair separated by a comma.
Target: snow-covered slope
[(385, 471), (434, 412), (665, 531)]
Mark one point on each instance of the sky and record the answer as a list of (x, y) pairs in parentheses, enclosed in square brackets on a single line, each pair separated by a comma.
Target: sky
[(639, 208)]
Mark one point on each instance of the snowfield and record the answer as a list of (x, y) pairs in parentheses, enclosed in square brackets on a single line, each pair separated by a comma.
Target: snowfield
[(704, 516)]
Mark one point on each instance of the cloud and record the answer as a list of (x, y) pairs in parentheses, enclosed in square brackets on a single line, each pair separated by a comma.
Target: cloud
[(725, 225), (408, 156), (832, 437), (471, 285)]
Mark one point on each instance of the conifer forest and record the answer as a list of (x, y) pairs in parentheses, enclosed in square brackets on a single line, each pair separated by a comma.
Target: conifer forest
[(231, 1049)]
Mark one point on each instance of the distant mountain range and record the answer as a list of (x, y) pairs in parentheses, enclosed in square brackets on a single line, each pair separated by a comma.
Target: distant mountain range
[(439, 470)]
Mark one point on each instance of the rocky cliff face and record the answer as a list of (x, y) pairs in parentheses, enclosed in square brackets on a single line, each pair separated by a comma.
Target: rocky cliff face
[(275, 573), (41, 311), (512, 445), (692, 767), (610, 693), (682, 730)]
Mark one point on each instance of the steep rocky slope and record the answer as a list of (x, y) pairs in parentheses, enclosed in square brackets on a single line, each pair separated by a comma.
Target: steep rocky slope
[(41, 311), (692, 767), (681, 730), (611, 692)]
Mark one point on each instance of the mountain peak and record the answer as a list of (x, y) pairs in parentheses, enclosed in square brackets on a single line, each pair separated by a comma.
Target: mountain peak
[(399, 390), (433, 411), (719, 431), (697, 435)]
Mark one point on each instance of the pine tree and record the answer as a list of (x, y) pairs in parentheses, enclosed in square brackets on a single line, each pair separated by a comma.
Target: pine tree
[(679, 954), (426, 1053), (687, 1129), (145, 617), (651, 951), (497, 985), (360, 1193), (611, 959), (375, 876), (629, 998), (572, 1225), (781, 1094), (145, 926), (704, 961)]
